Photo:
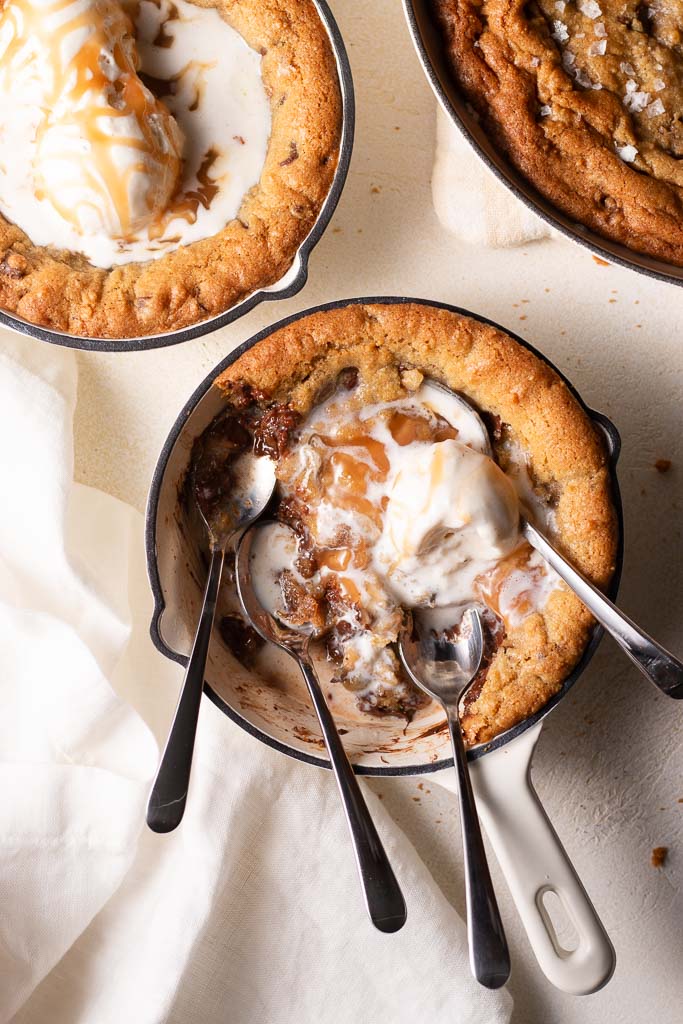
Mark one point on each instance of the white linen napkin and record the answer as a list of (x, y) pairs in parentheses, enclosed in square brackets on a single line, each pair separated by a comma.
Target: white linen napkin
[(251, 910), (470, 201)]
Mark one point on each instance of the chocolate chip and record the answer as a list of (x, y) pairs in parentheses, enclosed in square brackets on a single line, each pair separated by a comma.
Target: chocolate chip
[(348, 378), (293, 155), (14, 266), (274, 431), (240, 638)]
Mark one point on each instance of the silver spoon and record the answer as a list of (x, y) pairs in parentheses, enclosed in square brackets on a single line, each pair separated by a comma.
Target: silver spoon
[(445, 669), (656, 663), (383, 897), (251, 486)]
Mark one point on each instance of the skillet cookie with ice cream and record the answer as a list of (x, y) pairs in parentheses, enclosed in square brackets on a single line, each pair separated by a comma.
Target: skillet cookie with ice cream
[(160, 160), (585, 98), (393, 504)]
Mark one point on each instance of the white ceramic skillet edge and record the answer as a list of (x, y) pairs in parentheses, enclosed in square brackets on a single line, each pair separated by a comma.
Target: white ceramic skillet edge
[(531, 855)]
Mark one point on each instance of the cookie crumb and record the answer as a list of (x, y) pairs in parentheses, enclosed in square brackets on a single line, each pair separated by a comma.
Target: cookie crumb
[(659, 855), (601, 263), (411, 378), (663, 465)]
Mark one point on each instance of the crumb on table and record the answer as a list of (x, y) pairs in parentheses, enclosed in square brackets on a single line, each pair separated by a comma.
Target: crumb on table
[(659, 855)]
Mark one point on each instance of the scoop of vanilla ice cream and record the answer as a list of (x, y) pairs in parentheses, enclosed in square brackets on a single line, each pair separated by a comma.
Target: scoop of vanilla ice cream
[(452, 513), (108, 153)]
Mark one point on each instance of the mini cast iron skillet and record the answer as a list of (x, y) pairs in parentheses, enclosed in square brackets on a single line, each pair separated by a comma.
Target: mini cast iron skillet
[(530, 853), (289, 285), (430, 51)]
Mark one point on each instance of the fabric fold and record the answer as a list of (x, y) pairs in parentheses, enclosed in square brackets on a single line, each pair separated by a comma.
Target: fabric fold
[(251, 911), (469, 200)]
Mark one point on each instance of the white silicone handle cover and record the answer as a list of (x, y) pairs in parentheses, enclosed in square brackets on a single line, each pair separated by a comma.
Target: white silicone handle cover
[(534, 862)]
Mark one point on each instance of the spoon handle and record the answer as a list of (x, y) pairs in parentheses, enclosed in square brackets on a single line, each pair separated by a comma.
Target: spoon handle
[(383, 897), (489, 955), (660, 667), (167, 800)]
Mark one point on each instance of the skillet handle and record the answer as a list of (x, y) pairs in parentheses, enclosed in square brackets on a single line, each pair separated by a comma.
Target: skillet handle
[(535, 863)]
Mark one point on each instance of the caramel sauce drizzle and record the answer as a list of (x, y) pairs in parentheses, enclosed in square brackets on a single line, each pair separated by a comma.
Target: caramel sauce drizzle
[(491, 584), (186, 204), (345, 475), (104, 23)]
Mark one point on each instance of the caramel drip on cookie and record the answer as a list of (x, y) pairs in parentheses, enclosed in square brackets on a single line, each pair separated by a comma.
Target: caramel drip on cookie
[(186, 204), (353, 460), (511, 589)]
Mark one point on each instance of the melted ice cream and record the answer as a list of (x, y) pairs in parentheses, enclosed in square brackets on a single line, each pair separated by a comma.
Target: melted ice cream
[(406, 510), (451, 515)]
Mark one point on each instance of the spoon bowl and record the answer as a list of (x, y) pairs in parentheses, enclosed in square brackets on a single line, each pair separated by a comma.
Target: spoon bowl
[(229, 492), (443, 664), (295, 641)]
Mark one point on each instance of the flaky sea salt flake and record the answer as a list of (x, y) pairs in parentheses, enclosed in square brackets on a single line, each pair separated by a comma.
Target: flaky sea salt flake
[(658, 85), (568, 59), (655, 108), (582, 78), (560, 5), (627, 69), (535, 61), (590, 8), (597, 49), (560, 32), (636, 101), (626, 153), (545, 110), (600, 30)]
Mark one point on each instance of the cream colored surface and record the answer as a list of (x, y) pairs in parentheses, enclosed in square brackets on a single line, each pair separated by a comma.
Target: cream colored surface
[(609, 763)]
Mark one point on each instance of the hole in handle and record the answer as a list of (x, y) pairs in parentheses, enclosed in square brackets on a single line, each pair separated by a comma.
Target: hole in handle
[(558, 921)]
